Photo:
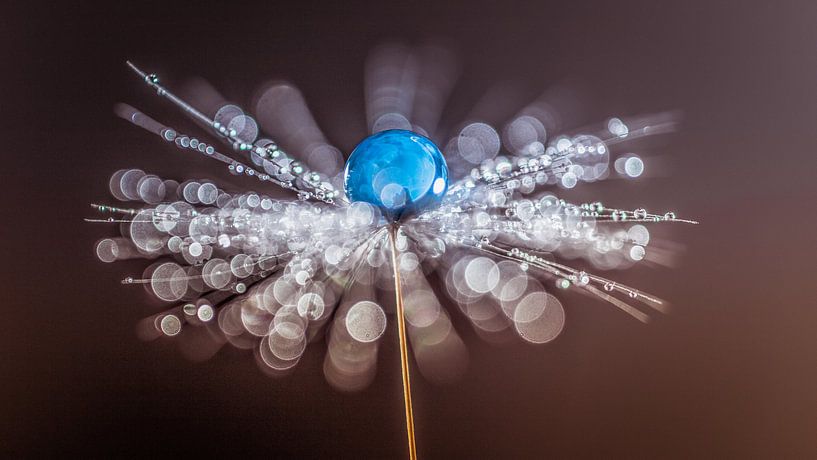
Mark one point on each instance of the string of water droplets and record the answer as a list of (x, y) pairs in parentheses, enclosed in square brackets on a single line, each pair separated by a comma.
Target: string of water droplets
[(240, 132)]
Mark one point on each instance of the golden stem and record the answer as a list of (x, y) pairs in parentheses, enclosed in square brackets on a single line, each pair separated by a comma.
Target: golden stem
[(401, 325)]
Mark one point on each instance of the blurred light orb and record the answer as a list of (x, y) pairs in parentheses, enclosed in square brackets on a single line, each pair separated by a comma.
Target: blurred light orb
[(633, 166), (365, 321), (399, 171), (170, 325)]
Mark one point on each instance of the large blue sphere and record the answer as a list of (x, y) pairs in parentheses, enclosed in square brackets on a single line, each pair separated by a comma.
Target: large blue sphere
[(399, 171)]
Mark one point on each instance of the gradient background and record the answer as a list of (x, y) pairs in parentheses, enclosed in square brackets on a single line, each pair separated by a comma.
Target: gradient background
[(730, 373)]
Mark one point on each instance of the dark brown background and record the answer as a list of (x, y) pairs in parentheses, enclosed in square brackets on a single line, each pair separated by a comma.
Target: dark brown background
[(730, 373)]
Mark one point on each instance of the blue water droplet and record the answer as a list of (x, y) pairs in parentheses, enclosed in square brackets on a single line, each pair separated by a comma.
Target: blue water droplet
[(401, 172)]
